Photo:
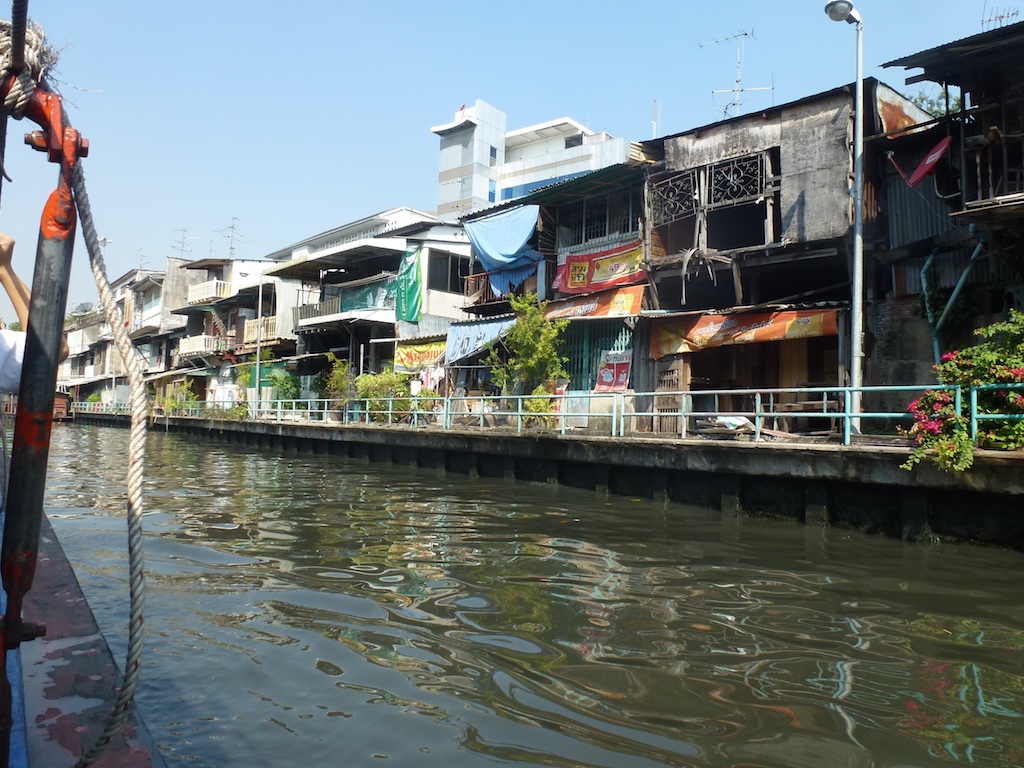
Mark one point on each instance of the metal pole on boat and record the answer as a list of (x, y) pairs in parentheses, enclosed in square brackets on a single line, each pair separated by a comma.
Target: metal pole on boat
[(47, 307)]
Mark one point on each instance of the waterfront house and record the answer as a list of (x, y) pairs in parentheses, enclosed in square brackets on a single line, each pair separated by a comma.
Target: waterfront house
[(234, 312), (955, 194), (145, 298), (715, 258), (377, 291)]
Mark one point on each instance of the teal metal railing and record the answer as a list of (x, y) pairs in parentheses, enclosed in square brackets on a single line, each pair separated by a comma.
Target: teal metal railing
[(793, 414)]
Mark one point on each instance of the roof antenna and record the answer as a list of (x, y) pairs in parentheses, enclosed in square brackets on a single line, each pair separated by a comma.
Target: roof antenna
[(997, 18), (737, 88)]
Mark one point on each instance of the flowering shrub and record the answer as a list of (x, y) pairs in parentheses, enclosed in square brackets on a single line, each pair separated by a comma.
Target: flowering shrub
[(941, 431)]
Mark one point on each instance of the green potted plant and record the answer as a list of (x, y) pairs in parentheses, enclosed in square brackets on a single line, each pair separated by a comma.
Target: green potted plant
[(337, 384)]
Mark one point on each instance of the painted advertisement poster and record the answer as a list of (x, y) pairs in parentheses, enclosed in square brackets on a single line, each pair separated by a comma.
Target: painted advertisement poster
[(585, 273), (613, 372), (674, 336)]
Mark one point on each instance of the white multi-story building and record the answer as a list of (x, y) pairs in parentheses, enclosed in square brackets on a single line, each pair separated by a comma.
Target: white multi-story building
[(482, 163)]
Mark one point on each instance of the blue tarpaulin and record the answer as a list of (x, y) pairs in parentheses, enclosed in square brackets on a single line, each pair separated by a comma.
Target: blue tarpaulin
[(468, 339), (501, 242)]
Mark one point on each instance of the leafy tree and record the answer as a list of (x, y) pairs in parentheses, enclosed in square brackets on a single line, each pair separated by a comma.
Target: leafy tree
[(941, 430), (287, 384), (532, 348), (935, 103)]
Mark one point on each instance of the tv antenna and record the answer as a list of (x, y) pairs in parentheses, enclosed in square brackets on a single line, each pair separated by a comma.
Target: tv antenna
[(230, 232), (182, 247), (737, 90), (997, 18)]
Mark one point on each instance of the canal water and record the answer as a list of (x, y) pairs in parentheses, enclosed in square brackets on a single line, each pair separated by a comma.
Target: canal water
[(317, 611)]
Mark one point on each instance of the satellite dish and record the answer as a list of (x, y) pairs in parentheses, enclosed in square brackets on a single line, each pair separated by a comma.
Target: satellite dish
[(927, 165), (83, 309)]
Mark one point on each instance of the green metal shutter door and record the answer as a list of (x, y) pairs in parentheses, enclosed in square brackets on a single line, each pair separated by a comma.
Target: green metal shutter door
[(585, 340)]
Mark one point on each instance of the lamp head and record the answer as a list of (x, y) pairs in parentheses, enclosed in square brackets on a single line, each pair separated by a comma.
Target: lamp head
[(842, 10)]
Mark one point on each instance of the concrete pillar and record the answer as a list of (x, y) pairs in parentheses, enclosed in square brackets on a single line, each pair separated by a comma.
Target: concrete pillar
[(601, 480), (815, 504), (729, 504), (914, 515), (659, 486)]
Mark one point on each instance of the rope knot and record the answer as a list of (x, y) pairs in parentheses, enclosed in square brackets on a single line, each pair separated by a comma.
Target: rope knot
[(39, 59)]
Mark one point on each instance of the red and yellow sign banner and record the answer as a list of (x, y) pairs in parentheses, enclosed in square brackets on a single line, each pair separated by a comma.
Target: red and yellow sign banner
[(585, 273), (674, 336), (621, 302), (413, 358), (613, 372)]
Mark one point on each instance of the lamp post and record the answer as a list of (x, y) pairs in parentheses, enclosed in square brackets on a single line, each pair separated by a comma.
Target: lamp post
[(259, 342), (111, 348), (843, 10)]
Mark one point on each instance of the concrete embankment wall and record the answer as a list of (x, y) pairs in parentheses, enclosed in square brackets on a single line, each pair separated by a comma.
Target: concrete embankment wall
[(858, 486)]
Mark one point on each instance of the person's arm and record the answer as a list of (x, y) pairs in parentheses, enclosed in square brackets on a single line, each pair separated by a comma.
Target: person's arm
[(18, 292), (13, 285)]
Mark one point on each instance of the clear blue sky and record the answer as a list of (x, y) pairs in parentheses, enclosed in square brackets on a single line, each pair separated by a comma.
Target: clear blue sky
[(292, 117)]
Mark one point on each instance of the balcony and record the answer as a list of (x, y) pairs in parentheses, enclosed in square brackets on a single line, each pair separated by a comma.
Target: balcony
[(202, 345), (263, 328), (372, 299), (478, 289), (211, 290)]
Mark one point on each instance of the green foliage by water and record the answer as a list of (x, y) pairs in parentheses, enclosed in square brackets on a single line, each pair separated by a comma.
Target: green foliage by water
[(177, 396), (530, 354), (286, 383), (386, 394), (337, 383), (941, 431)]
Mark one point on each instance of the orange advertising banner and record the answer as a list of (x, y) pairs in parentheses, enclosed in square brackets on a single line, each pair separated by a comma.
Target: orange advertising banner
[(674, 336), (584, 273), (621, 302)]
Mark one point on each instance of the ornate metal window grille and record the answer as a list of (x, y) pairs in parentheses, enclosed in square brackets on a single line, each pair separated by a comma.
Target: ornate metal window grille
[(732, 182), (737, 181), (675, 198)]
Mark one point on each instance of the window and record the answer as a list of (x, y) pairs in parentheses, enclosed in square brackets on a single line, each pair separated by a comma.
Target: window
[(492, 190), (724, 206), (599, 218), (494, 158), (576, 140), (447, 272)]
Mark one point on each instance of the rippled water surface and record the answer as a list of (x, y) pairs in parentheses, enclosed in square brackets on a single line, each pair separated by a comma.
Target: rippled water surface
[(316, 611)]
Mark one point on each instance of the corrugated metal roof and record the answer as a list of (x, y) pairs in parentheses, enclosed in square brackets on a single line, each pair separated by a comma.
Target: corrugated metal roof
[(961, 48), (604, 180)]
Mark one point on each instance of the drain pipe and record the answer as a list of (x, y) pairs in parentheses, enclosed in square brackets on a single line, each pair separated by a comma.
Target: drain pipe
[(928, 303), (936, 326)]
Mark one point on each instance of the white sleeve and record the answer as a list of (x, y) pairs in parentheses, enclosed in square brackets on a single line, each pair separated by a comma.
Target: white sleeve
[(12, 354)]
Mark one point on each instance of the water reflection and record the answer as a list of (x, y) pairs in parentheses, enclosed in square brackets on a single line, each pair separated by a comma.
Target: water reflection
[(314, 604)]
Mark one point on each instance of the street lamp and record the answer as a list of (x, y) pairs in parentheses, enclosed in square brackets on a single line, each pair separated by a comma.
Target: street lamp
[(259, 341), (259, 336), (843, 10), (111, 348)]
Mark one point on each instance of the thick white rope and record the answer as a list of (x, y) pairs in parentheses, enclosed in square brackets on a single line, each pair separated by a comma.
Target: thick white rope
[(136, 464)]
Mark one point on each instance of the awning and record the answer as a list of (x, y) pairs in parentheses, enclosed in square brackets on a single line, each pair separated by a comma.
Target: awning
[(676, 335), (468, 339), (619, 302), (195, 373)]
